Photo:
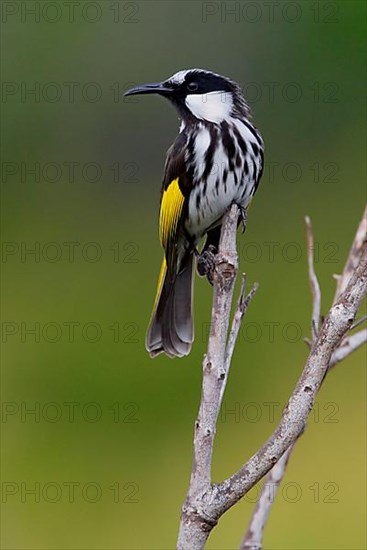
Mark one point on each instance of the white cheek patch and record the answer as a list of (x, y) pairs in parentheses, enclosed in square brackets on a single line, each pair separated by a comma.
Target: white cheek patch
[(213, 106)]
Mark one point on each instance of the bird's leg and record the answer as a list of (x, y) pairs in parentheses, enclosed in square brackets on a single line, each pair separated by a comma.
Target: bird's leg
[(206, 263), (206, 259), (243, 217)]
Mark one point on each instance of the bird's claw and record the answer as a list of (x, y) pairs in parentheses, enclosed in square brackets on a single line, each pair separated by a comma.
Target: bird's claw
[(206, 263), (243, 216)]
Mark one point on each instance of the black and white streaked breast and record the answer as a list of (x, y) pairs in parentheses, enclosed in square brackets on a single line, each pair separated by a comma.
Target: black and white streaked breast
[(224, 161)]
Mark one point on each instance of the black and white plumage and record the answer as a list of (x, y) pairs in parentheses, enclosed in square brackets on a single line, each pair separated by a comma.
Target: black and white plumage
[(216, 159)]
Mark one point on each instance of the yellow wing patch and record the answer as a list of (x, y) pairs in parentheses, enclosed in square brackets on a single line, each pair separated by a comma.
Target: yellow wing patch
[(170, 212)]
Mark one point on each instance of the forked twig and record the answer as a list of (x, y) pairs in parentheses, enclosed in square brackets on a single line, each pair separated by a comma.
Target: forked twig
[(253, 536), (314, 283), (207, 502)]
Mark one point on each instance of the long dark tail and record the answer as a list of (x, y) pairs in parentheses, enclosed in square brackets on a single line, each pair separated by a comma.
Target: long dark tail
[(171, 329)]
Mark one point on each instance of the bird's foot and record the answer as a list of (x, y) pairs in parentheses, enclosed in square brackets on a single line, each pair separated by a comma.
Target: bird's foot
[(206, 263), (243, 217)]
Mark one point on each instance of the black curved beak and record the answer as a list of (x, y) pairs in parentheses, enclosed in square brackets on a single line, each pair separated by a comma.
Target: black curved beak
[(155, 88)]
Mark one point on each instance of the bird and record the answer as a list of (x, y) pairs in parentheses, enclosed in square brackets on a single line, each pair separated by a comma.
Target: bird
[(216, 160)]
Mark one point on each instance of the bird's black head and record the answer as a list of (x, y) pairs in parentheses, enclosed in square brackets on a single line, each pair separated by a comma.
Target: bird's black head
[(199, 94)]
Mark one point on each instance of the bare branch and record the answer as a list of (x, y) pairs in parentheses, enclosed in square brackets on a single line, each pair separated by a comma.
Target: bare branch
[(206, 502), (241, 308), (314, 283), (196, 518), (359, 322), (295, 414), (254, 534), (355, 253), (347, 346)]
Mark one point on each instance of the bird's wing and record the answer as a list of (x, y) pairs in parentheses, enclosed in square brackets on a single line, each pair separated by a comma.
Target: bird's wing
[(173, 201)]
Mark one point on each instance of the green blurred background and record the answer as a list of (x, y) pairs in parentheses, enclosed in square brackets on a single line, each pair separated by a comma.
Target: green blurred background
[(132, 422)]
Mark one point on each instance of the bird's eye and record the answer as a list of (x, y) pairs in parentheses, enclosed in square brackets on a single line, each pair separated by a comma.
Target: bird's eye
[(192, 86)]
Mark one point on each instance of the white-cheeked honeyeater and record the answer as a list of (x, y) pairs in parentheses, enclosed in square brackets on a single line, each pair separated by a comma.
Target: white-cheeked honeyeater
[(216, 160)]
